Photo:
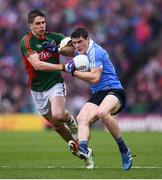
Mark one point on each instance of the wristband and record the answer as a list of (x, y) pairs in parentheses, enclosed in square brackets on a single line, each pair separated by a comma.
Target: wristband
[(63, 67)]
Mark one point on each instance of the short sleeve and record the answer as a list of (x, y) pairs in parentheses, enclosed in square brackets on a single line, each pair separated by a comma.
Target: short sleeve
[(26, 48)]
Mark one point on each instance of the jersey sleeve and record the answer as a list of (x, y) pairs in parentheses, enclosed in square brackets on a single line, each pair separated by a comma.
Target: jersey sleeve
[(26, 47), (95, 61)]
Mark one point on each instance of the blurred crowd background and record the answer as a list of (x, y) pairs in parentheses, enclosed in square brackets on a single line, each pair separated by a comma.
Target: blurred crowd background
[(130, 30)]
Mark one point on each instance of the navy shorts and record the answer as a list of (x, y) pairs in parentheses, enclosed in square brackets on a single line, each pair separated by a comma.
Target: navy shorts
[(98, 97)]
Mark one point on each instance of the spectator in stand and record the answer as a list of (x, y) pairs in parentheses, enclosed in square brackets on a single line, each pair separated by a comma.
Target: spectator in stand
[(121, 27)]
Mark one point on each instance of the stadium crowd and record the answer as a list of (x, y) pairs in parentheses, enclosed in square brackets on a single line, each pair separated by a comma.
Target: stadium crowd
[(130, 30)]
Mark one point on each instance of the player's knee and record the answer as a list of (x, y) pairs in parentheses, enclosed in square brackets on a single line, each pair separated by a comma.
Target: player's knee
[(58, 116), (81, 120), (102, 114)]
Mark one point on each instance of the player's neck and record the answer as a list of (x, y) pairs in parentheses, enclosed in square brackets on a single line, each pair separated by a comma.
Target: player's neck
[(39, 36)]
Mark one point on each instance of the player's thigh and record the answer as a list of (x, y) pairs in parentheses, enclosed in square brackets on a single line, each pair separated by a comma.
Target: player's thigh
[(88, 113), (57, 105), (109, 105), (57, 98)]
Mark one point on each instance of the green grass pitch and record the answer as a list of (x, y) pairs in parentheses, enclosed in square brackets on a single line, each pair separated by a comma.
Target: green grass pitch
[(43, 155)]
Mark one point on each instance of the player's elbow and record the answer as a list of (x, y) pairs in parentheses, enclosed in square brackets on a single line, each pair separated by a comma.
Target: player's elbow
[(95, 75), (38, 66), (95, 80)]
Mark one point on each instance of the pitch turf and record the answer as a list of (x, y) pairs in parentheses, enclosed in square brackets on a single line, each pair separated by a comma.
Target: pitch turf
[(43, 155)]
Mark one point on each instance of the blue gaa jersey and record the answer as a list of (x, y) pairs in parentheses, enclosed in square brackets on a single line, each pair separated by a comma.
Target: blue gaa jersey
[(98, 57)]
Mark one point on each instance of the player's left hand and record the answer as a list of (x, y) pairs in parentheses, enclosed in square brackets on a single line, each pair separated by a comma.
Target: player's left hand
[(70, 67), (50, 46)]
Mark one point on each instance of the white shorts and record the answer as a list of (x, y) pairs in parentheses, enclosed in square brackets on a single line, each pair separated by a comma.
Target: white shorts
[(42, 99)]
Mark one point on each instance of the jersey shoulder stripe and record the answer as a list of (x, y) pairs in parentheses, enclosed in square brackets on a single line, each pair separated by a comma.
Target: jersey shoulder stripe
[(27, 45)]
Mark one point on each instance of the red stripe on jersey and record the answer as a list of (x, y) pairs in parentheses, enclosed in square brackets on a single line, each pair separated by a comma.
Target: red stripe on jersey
[(27, 39), (30, 70)]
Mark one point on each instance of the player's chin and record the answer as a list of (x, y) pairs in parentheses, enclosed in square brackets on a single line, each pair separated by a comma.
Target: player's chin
[(42, 32), (81, 52)]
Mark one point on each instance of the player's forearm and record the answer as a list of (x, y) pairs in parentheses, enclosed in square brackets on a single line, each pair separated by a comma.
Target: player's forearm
[(87, 76), (67, 51), (47, 66), (41, 65)]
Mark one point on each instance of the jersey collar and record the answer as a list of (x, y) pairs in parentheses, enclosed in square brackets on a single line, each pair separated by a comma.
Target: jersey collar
[(40, 38), (90, 45)]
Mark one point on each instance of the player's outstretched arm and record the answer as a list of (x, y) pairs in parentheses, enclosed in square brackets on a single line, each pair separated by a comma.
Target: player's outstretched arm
[(44, 66)]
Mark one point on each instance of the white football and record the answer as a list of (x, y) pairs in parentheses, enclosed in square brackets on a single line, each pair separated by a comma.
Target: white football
[(81, 63)]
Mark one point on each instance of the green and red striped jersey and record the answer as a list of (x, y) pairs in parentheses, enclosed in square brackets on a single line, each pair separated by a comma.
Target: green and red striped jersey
[(41, 80)]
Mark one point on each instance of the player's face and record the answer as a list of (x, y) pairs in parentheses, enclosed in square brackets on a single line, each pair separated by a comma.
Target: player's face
[(38, 27), (81, 44)]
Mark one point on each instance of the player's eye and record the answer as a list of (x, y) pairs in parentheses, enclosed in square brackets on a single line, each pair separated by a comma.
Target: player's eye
[(37, 23)]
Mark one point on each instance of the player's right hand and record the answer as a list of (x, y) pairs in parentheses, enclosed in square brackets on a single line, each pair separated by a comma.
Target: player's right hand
[(70, 67)]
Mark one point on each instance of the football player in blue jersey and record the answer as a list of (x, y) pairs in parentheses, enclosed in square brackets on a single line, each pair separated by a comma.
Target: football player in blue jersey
[(108, 97)]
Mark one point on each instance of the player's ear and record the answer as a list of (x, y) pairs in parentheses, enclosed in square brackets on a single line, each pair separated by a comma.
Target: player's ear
[(30, 25), (88, 39)]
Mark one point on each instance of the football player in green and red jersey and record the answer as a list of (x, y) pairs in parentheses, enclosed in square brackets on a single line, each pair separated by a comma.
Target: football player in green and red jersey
[(41, 57)]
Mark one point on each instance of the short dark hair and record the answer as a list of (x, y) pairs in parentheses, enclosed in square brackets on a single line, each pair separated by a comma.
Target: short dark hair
[(79, 32), (34, 13)]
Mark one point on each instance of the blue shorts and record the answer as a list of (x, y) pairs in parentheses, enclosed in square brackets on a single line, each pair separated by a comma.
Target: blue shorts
[(98, 97)]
